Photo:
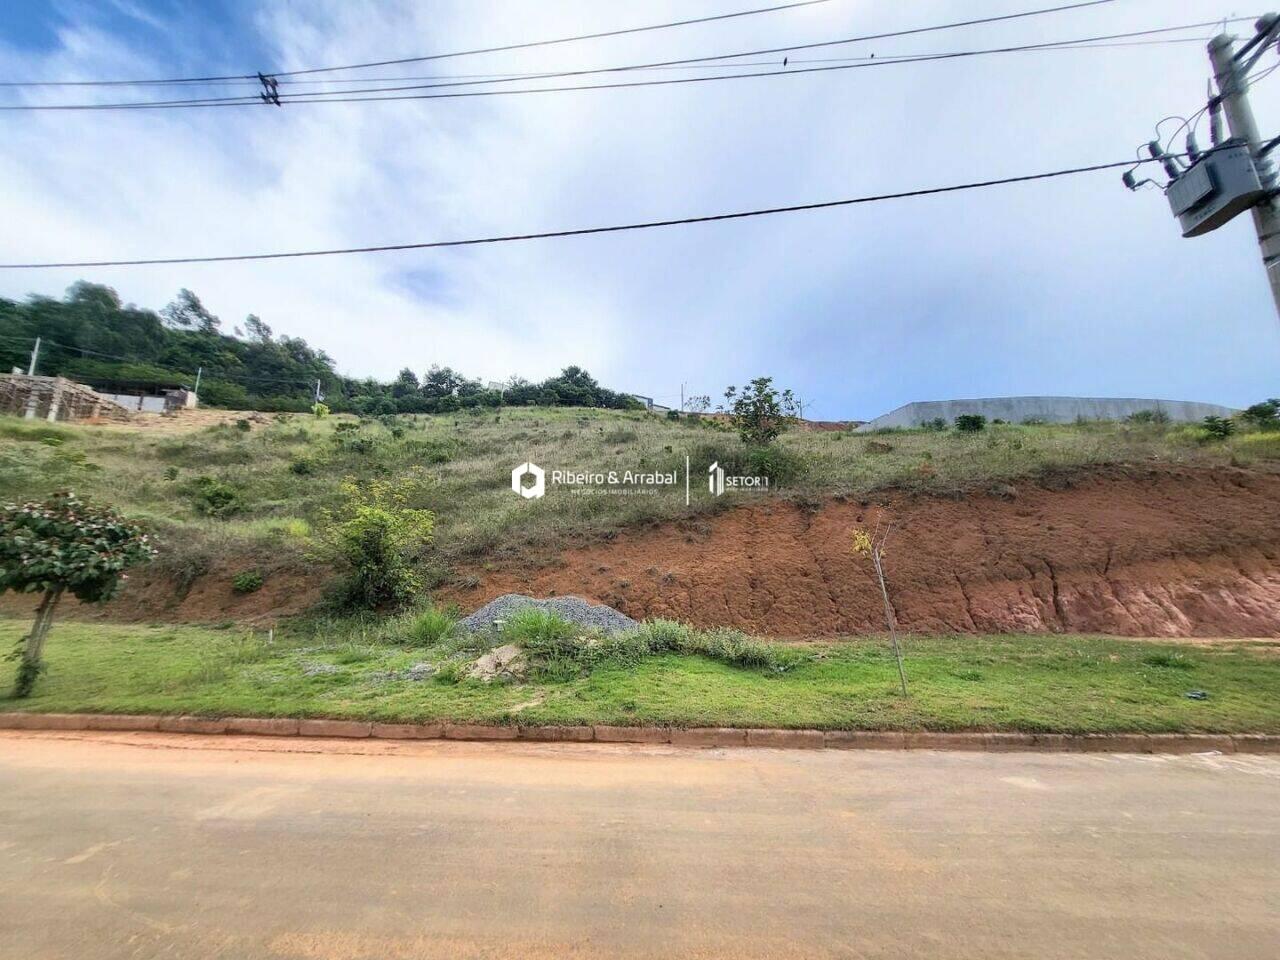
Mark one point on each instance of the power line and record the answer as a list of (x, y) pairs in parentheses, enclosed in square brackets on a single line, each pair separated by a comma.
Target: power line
[(588, 231), (350, 96), (435, 56)]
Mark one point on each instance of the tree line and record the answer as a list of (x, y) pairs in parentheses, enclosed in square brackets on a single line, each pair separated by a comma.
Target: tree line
[(91, 336)]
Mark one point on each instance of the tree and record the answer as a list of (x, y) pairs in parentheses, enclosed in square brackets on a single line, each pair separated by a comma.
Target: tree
[(258, 331), (971, 423), (186, 312), (1219, 428), (760, 413), (375, 534), (698, 403), (872, 545), (1265, 415), (405, 384), (440, 382), (62, 545)]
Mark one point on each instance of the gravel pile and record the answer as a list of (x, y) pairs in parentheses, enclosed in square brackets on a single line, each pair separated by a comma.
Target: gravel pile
[(574, 609)]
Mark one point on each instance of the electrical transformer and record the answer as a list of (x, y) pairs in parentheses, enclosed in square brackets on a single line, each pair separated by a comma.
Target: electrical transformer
[(1214, 189)]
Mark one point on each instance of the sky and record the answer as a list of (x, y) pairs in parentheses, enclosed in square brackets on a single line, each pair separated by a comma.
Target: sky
[(1066, 287)]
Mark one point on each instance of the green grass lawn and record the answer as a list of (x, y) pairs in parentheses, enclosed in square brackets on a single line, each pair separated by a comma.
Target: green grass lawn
[(1058, 683)]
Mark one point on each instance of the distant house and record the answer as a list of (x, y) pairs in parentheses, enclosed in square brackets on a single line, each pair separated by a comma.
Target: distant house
[(54, 398)]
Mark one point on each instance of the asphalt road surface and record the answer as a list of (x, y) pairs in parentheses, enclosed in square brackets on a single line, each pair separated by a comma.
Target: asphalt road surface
[(146, 845)]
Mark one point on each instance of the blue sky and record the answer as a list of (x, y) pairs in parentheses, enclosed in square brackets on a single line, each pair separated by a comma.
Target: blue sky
[(1069, 287)]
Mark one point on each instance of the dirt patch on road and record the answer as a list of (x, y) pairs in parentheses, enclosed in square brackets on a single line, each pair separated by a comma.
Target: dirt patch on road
[(1157, 551)]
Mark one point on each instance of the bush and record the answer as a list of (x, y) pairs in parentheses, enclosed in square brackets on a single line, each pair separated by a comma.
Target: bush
[(319, 410), (673, 415), (303, 466), (214, 498), (936, 425), (1264, 415), (375, 535), (247, 581), (778, 465), (1219, 428), (971, 422), (760, 413), (1147, 416), (244, 426)]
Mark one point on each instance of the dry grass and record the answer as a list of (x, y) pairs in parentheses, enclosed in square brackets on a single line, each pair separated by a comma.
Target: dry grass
[(285, 471)]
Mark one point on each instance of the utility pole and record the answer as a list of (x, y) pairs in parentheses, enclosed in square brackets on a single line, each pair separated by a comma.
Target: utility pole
[(682, 386), (1216, 185), (31, 367), (196, 391), (1233, 90), (317, 391)]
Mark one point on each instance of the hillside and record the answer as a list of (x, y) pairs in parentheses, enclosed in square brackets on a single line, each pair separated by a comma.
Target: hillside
[(1104, 527)]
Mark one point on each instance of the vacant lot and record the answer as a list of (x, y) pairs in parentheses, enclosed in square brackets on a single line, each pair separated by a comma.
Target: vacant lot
[(231, 497), (1060, 683)]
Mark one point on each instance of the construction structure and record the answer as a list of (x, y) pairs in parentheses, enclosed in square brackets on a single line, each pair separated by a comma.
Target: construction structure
[(1043, 410), (55, 398)]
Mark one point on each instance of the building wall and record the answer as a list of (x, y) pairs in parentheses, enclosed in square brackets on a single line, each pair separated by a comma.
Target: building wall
[(1048, 409)]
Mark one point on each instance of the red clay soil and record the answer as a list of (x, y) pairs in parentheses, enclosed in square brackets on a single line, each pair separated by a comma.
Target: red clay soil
[(1132, 551)]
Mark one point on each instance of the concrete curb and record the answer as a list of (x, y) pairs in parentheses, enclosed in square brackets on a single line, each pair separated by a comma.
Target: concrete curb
[(1166, 743)]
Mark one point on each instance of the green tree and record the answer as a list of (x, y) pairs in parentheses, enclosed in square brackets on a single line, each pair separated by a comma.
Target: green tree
[(760, 413), (188, 313), (971, 423), (1265, 415), (258, 331), (63, 545)]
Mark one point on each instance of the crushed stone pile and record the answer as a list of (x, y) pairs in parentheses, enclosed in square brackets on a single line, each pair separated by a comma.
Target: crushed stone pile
[(574, 609)]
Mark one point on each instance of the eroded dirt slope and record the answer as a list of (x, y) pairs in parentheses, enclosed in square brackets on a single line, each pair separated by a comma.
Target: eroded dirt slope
[(1140, 552)]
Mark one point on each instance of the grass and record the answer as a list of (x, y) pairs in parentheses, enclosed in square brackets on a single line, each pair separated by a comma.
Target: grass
[(1059, 683), (275, 481)]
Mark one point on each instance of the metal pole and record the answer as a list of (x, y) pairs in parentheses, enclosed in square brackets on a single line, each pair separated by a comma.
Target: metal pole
[(31, 368), (199, 371), (1233, 90)]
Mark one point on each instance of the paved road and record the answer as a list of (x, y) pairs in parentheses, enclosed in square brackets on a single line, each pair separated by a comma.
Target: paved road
[(143, 845)]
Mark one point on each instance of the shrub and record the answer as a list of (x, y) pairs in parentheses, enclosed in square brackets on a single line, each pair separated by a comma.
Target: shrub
[(673, 415), (247, 581), (62, 545), (303, 466), (244, 426), (971, 422), (319, 410), (375, 534), (760, 413), (432, 625), (214, 498), (171, 473), (1264, 415), (778, 465), (1147, 416), (1219, 428), (936, 425)]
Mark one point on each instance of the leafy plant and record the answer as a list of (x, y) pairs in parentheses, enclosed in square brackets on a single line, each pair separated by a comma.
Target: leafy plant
[(319, 410), (760, 413), (171, 473), (214, 498), (375, 534), (936, 425), (243, 425), (247, 581), (62, 545), (1219, 428), (1147, 416), (971, 422), (1264, 415)]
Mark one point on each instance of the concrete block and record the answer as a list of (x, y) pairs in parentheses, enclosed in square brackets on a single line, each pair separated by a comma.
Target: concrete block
[(1256, 743), (787, 739), (334, 728), (110, 721), (1003, 742), (408, 731), (709, 737), (607, 734), (263, 726), (1193, 743), (471, 731), (864, 739), (557, 734), (44, 721), (187, 724)]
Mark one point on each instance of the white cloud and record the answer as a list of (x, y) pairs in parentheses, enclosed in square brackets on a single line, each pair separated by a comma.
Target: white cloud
[(1073, 286)]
